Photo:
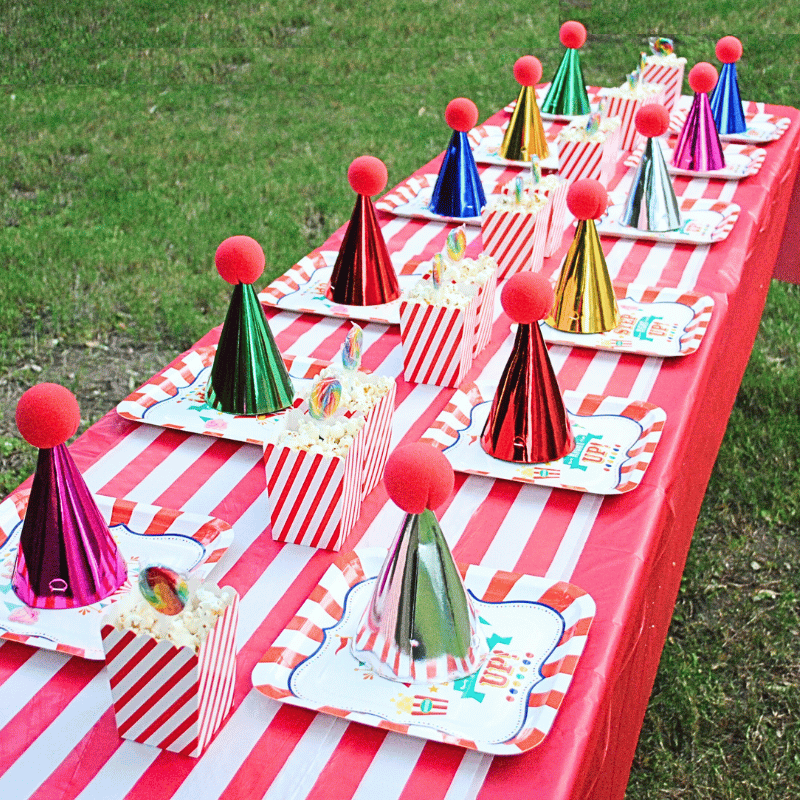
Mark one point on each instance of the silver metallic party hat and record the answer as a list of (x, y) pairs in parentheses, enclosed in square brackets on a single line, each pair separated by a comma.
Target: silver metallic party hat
[(651, 203), (420, 625)]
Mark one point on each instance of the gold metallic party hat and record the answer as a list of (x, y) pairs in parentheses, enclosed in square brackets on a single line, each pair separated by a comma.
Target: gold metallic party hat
[(524, 135), (585, 301)]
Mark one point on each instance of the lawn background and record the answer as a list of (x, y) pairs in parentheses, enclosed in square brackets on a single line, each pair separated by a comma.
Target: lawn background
[(137, 135)]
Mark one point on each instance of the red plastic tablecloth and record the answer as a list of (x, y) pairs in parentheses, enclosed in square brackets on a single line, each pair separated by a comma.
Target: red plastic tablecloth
[(58, 738)]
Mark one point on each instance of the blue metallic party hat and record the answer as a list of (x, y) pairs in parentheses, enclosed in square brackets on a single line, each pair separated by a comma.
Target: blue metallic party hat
[(726, 104), (458, 191)]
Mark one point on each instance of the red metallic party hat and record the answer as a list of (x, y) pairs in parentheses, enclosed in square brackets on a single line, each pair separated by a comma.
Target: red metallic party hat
[(528, 422), (363, 274)]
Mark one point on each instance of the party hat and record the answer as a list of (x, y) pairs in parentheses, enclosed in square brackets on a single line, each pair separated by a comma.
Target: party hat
[(725, 101), (458, 191), (585, 301), (651, 203), (420, 625), (567, 92), (67, 557), (363, 274), (248, 375), (698, 147), (527, 422), (524, 136)]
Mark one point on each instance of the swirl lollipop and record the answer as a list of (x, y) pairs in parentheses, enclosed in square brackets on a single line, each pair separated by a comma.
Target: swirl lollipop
[(661, 46), (325, 398), (436, 271), (456, 245), (536, 170), (164, 589), (351, 351)]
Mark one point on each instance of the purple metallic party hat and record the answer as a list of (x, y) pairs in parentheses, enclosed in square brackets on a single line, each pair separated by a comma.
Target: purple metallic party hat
[(699, 148), (67, 557)]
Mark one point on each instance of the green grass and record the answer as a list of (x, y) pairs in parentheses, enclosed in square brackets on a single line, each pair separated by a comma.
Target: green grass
[(136, 136)]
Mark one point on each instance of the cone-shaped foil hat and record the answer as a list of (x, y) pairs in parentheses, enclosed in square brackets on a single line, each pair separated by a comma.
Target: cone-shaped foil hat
[(527, 422), (248, 375), (67, 557), (651, 203), (420, 625), (524, 136), (585, 301), (725, 101), (363, 274), (698, 147), (458, 191), (567, 92)]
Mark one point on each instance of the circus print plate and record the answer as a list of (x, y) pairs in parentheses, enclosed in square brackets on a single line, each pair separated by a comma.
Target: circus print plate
[(412, 197), (145, 534), (703, 221), (615, 439), (741, 161), (175, 398), (302, 289), (536, 629), (655, 322), (761, 128), (486, 140)]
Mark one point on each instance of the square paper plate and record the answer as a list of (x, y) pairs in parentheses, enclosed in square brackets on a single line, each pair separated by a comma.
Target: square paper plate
[(615, 439), (741, 161), (176, 399), (761, 128), (703, 221), (302, 289), (655, 322), (535, 627), (486, 140), (145, 534)]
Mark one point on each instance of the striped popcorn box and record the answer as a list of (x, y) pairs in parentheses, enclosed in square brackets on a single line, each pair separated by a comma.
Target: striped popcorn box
[(172, 697), (438, 341), (516, 239), (581, 158), (314, 498), (618, 104), (667, 72), (555, 189), (484, 313), (376, 435)]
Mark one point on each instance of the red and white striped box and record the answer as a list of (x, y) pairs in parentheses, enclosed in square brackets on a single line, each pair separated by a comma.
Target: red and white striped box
[(558, 213), (617, 104), (438, 341), (666, 72), (515, 238), (172, 697), (581, 158), (484, 313), (315, 498)]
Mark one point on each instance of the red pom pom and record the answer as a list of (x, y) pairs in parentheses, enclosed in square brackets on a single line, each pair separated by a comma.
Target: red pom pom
[(461, 114), (47, 415), (728, 49), (572, 34), (528, 70), (527, 297), (703, 77), (367, 175), (652, 120), (418, 476), (240, 259), (587, 199)]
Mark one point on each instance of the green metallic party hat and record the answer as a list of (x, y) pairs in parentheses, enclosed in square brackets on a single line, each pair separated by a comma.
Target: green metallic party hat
[(248, 375), (567, 93)]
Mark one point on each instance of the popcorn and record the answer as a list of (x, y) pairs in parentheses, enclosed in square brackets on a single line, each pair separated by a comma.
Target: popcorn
[(641, 91), (576, 131)]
